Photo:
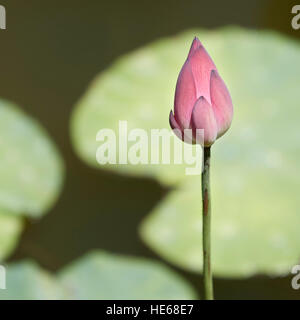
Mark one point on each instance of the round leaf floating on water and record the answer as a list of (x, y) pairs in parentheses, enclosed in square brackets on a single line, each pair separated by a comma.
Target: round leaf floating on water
[(139, 88), (10, 230), (27, 281), (255, 196), (100, 275), (31, 169), (249, 237)]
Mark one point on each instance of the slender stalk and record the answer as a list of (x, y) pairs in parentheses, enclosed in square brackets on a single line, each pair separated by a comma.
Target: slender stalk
[(206, 216)]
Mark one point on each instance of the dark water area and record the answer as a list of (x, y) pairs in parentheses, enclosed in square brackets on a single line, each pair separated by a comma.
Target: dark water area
[(50, 52)]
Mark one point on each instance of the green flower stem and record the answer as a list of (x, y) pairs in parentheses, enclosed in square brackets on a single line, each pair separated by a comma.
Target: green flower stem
[(206, 216)]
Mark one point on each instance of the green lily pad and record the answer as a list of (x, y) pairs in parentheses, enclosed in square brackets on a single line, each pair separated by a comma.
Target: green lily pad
[(27, 281), (10, 230), (100, 275), (138, 88), (255, 172), (260, 69), (31, 170), (249, 236), (31, 173)]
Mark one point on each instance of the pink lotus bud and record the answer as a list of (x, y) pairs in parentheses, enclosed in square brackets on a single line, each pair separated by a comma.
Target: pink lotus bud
[(202, 100)]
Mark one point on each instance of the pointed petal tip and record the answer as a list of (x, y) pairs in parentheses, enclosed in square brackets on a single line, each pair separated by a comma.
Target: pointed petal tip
[(175, 126), (172, 121), (203, 100), (171, 116), (213, 74), (196, 44)]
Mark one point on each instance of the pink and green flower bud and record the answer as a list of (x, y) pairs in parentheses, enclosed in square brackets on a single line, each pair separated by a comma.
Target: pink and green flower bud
[(202, 100)]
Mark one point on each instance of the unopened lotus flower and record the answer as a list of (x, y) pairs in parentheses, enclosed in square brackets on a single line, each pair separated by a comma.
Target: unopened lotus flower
[(202, 100)]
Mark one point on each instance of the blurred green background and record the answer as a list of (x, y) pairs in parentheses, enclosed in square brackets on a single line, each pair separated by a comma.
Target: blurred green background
[(50, 52)]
